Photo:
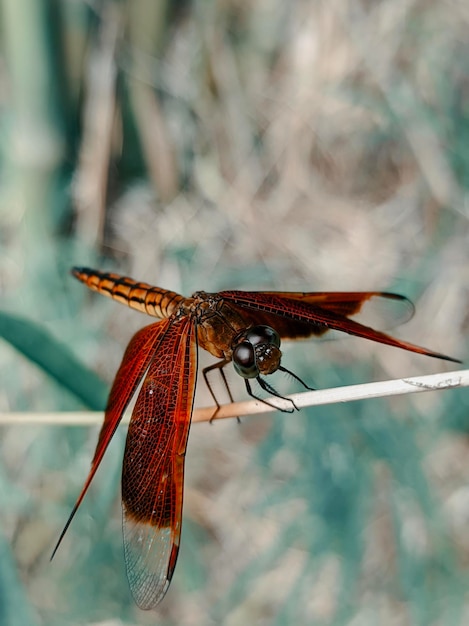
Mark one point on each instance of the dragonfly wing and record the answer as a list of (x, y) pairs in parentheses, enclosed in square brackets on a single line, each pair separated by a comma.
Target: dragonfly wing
[(375, 307), (296, 315), (135, 362), (153, 468)]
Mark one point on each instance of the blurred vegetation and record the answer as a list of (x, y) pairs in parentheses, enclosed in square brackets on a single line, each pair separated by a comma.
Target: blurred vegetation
[(201, 145)]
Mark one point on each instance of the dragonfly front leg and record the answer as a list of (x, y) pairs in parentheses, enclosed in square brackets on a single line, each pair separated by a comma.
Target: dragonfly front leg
[(272, 392), (219, 366), (284, 369)]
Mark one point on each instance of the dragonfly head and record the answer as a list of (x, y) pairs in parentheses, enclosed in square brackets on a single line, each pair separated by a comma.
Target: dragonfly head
[(257, 351)]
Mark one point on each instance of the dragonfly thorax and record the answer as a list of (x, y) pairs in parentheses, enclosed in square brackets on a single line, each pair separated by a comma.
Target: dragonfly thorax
[(217, 324)]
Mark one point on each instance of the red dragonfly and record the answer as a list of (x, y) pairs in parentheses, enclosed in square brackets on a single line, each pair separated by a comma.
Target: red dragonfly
[(244, 327)]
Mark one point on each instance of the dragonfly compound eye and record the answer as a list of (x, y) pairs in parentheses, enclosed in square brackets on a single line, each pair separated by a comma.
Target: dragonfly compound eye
[(244, 360), (263, 334)]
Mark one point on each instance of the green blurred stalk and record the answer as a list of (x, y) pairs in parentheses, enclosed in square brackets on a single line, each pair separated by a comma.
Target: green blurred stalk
[(35, 142)]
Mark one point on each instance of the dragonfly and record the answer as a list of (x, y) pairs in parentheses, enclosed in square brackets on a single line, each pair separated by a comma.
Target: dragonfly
[(242, 327)]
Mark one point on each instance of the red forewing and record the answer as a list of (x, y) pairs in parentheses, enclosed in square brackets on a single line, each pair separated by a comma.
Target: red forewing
[(376, 307), (135, 362), (297, 315), (153, 470)]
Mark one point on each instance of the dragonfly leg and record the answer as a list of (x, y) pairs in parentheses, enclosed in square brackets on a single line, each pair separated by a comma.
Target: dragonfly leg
[(284, 369), (219, 366), (270, 390), (267, 387)]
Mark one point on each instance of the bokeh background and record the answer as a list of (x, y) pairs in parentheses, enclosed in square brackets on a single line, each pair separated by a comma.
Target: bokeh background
[(253, 145)]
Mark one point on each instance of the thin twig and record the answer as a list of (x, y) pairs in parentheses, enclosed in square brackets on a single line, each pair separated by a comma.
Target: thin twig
[(434, 382)]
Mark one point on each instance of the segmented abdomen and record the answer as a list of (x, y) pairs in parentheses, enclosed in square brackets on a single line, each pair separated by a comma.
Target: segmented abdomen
[(140, 296)]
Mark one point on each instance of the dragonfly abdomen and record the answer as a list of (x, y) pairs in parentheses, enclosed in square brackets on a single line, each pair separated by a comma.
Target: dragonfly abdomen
[(143, 297)]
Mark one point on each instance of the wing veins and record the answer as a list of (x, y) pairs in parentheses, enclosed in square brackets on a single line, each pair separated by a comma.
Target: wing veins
[(152, 481), (147, 340), (305, 313)]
